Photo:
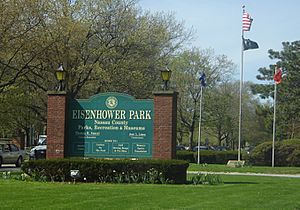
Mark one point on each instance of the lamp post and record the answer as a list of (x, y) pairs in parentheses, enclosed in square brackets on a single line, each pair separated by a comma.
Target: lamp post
[(60, 76), (166, 75)]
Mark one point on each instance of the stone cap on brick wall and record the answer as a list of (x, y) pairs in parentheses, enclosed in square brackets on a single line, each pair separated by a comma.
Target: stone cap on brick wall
[(55, 92), (165, 92)]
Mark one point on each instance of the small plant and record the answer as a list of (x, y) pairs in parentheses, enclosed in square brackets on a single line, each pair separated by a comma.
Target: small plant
[(153, 176), (61, 175), (198, 179), (6, 175), (119, 178), (135, 178), (25, 177), (211, 179), (38, 176)]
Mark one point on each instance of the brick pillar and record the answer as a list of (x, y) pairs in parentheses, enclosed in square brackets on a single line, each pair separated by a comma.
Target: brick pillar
[(56, 124), (165, 124)]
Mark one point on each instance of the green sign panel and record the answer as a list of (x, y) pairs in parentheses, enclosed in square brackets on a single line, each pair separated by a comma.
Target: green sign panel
[(110, 125)]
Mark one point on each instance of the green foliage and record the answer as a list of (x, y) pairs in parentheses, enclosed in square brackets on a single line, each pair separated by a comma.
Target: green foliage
[(115, 171), (187, 67), (286, 153), (16, 176), (6, 175), (216, 157), (211, 179), (288, 102), (185, 155), (294, 158), (207, 156), (219, 102), (220, 105), (103, 46), (261, 155)]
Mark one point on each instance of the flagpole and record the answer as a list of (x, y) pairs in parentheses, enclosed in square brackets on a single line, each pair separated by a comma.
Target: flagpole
[(200, 119), (274, 121), (241, 95)]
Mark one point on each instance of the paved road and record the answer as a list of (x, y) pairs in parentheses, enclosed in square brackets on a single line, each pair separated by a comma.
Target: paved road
[(9, 167), (246, 174)]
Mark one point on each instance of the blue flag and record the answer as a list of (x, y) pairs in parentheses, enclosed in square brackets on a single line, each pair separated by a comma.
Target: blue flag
[(202, 79)]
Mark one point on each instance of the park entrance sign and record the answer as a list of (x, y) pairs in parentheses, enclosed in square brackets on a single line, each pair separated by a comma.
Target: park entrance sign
[(110, 125)]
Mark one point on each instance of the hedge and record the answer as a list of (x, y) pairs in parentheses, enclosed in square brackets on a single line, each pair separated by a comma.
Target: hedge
[(286, 153), (185, 155), (207, 156), (102, 170)]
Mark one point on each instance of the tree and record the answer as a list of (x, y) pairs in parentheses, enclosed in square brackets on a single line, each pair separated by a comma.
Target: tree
[(187, 68), (288, 102), (103, 46), (17, 113), (20, 21), (222, 113)]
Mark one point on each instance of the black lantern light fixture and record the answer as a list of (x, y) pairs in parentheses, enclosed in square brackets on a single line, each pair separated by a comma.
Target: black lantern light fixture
[(166, 75), (60, 76)]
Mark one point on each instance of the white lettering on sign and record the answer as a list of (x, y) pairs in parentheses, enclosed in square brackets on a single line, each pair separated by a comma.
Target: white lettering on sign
[(139, 114), (78, 114), (98, 114)]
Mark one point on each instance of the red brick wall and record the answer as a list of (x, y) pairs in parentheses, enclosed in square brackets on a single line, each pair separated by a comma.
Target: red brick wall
[(56, 124), (165, 122)]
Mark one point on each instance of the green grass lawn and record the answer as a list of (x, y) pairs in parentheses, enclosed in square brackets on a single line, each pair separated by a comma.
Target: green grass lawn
[(245, 169), (237, 192)]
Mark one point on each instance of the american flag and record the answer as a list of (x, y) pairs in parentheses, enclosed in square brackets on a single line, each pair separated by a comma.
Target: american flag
[(247, 20)]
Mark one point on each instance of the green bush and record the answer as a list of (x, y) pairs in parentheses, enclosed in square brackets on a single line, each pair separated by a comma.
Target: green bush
[(261, 154), (285, 153), (185, 155), (207, 156), (216, 157), (115, 171), (294, 158), (211, 179)]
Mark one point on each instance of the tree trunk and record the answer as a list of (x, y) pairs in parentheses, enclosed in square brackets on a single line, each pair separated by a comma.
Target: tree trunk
[(180, 137), (191, 137), (219, 138)]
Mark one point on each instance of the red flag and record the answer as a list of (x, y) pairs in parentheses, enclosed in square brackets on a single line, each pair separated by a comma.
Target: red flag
[(247, 20), (278, 76)]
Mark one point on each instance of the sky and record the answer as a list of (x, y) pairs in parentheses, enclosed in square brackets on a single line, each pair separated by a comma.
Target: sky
[(217, 25)]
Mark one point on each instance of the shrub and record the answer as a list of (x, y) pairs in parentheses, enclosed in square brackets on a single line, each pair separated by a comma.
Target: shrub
[(211, 179), (294, 158), (261, 154), (285, 153), (207, 156), (282, 152), (115, 171), (185, 155), (217, 157)]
